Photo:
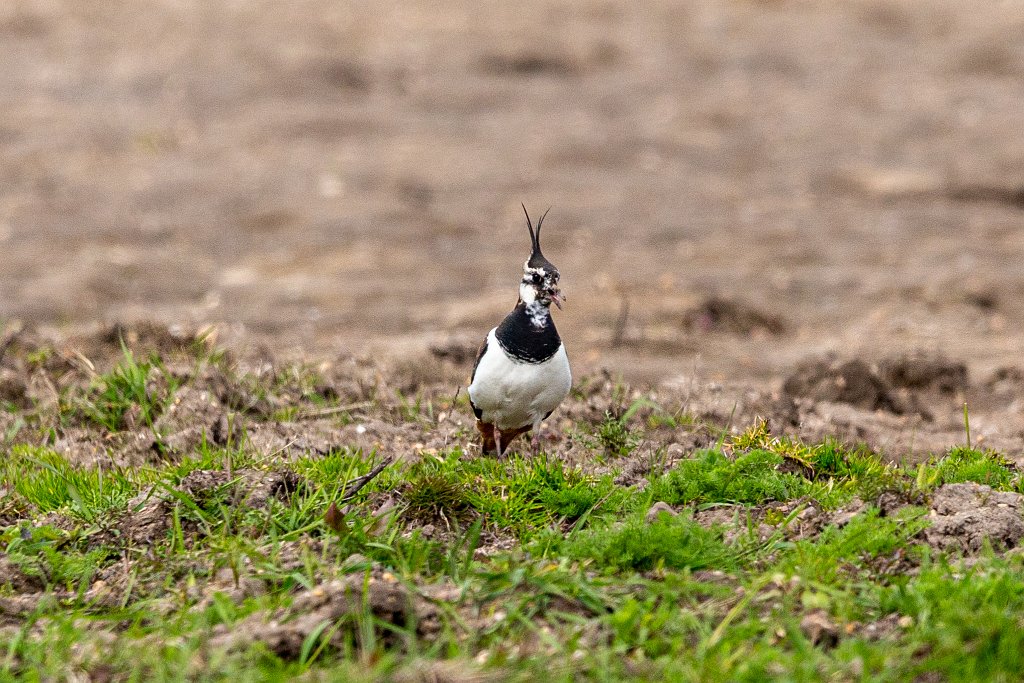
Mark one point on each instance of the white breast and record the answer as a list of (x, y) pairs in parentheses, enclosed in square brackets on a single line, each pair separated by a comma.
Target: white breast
[(513, 394)]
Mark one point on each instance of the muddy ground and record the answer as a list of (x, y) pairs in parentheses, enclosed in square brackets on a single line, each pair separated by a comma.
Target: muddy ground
[(811, 210)]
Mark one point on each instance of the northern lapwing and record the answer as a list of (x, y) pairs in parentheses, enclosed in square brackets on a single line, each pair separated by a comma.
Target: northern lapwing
[(522, 372)]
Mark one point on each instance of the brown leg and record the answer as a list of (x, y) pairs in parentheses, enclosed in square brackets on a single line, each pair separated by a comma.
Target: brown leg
[(497, 441), (487, 444), (509, 435)]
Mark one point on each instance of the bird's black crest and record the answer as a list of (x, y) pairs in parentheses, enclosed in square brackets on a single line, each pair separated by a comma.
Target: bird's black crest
[(537, 259)]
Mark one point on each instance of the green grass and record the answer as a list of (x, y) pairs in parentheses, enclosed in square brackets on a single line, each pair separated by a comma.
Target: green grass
[(965, 464), (667, 542), (518, 568), (45, 481), (134, 390)]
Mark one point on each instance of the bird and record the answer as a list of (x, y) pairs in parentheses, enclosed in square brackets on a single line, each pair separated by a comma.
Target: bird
[(522, 371)]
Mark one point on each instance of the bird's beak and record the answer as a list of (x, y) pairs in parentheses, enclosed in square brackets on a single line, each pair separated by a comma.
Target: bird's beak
[(557, 298)]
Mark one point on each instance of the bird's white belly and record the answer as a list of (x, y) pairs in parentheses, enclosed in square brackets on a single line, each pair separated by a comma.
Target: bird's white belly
[(513, 394)]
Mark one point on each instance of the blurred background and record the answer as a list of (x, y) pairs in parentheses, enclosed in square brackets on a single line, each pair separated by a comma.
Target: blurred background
[(737, 185)]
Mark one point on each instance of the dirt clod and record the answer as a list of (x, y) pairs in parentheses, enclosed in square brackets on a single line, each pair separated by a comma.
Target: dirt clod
[(657, 510), (732, 317), (193, 416), (853, 382), (966, 516), (843, 516), (381, 595), (18, 579), (819, 629), (923, 371), (254, 487), (146, 335), (14, 388)]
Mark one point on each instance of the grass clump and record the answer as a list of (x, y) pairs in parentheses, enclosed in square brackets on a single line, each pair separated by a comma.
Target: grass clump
[(50, 556), (615, 437), (712, 477), (436, 496), (837, 472), (48, 482), (527, 495), (675, 542), (851, 549), (967, 464), (128, 393), (518, 496), (967, 624)]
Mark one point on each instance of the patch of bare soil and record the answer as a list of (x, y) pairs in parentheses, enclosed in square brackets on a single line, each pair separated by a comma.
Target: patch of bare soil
[(345, 602), (853, 382), (150, 513), (732, 317), (922, 371), (965, 517)]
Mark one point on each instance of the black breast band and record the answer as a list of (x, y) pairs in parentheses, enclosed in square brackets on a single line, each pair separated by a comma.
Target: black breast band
[(523, 340)]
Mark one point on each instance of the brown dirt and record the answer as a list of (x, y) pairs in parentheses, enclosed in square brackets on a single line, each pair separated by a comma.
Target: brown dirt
[(330, 180), (339, 601), (258, 400), (852, 382), (966, 517), (732, 317), (149, 514)]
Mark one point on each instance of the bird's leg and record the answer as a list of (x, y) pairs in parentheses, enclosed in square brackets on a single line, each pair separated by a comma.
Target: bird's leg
[(497, 440), (535, 439)]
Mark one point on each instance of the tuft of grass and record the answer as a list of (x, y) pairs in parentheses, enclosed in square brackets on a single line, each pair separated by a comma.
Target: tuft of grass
[(436, 496), (967, 464), (839, 471), (839, 553), (49, 483), (615, 437), (712, 477), (517, 496), (50, 556), (128, 390), (675, 542)]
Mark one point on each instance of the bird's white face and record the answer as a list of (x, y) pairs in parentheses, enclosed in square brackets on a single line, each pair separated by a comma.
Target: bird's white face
[(540, 285)]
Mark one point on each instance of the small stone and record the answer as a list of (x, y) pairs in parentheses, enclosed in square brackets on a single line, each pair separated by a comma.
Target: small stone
[(819, 629), (676, 450), (657, 509)]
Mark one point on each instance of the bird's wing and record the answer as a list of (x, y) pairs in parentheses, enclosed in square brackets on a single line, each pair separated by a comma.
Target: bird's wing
[(476, 364)]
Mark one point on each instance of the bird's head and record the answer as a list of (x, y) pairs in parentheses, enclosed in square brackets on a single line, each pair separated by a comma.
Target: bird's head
[(540, 277)]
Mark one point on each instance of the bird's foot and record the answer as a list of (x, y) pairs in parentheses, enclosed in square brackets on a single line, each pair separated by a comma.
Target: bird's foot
[(498, 450)]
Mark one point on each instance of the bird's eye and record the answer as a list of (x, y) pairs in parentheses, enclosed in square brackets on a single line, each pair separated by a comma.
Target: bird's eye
[(536, 278)]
